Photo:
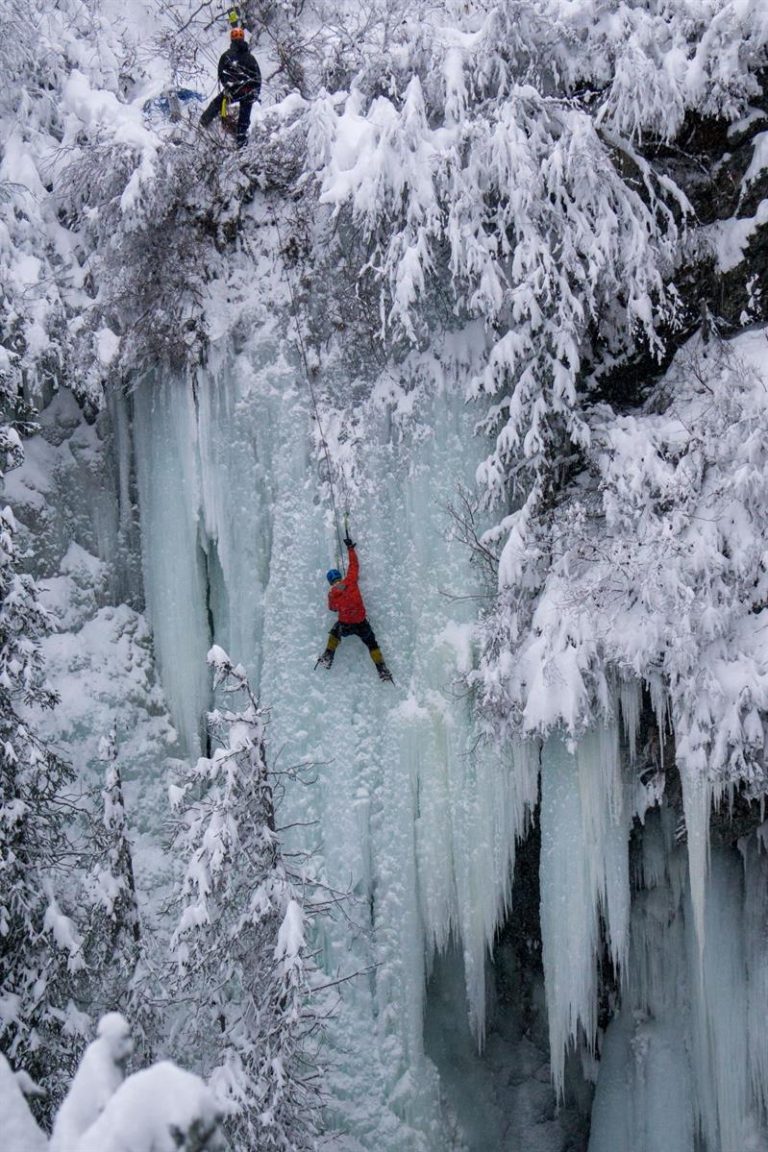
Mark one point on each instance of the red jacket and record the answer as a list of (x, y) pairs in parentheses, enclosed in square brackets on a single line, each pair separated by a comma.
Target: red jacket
[(344, 597)]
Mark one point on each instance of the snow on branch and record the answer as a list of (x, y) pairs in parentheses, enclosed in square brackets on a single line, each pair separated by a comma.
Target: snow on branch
[(239, 943), (661, 569), (524, 208)]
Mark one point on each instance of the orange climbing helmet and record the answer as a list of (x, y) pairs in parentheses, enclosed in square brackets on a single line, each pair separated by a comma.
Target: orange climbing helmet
[(237, 34)]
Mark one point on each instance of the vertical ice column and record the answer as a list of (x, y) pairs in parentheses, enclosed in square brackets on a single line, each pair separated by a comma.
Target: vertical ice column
[(569, 925), (606, 832), (718, 982), (165, 444), (127, 544), (584, 872), (631, 698), (241, 423), (697, 805), (756, 947), (430, 743), (643, 1097)]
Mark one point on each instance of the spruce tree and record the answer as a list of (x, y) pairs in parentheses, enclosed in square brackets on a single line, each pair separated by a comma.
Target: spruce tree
[(113, 935), (39, 946), (239, 944)]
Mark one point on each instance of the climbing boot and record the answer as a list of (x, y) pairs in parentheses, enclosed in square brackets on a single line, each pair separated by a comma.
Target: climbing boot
[(384, 672), (325, 660)]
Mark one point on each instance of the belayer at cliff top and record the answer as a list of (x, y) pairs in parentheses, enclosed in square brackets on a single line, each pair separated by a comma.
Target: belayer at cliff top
[(240, 80)]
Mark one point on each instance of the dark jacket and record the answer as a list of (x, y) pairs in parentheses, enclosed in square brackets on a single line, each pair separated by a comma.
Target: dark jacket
[(239, 74), (345, 597)]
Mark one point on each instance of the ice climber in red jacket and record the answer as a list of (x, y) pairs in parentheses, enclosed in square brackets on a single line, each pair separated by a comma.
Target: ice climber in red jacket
[(344, 597)]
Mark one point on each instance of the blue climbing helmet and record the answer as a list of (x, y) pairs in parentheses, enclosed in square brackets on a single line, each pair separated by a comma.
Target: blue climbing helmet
[(332, 575)]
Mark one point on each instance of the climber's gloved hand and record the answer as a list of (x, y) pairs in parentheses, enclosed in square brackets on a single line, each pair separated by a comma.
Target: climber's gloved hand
[(349, 541)]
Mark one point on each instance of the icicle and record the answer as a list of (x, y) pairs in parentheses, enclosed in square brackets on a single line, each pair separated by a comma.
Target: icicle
[(174, 577), (660, 705), (719, 1008), (755, 937), (584, 871), (604, 818), (485, 857), (526, 757), (428, 746), (631, 697), (569, 918), (697, 804), (643, 1097)]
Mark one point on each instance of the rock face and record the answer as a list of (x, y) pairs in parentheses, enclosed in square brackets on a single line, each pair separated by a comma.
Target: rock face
[(723, 265), (727, 183)]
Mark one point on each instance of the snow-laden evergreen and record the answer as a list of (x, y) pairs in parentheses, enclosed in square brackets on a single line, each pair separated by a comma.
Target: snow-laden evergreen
[(239, 944), (21, 1132), (41, 945), (98, 1077), (657, 570), (159, 1109)]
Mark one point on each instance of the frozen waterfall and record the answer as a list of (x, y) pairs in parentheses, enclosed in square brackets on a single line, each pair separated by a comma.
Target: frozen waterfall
[(500, 979), (411, 811)]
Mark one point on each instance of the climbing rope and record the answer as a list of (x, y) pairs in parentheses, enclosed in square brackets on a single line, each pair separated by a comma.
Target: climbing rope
[(234, 20), (315, 408)]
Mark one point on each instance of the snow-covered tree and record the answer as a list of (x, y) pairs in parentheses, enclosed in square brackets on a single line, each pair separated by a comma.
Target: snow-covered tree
[(100, 1073), (32, 336), (121, 884), (20, 1130), (112, 930), (40, 945), (239, 945), (159, 1109), (64, 68)]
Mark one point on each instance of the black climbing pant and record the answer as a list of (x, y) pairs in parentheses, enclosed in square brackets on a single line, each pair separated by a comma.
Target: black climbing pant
[(243, 117), (363, 630)]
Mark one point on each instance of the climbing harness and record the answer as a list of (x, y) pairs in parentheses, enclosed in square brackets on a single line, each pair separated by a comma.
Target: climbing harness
[(228, 118)]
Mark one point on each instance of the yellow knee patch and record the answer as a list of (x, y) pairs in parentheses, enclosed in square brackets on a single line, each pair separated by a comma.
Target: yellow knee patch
[(333, 642), (376, 655)]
